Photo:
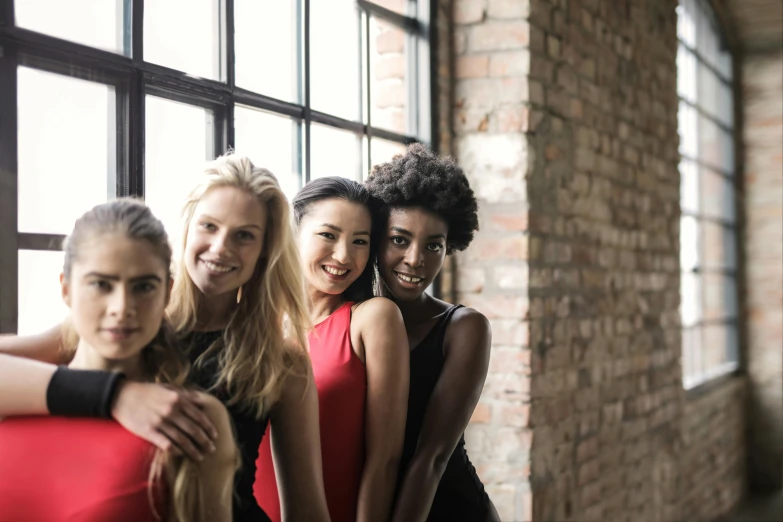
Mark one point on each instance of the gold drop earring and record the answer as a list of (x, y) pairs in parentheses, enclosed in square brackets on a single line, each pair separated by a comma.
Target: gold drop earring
[(239, 295)]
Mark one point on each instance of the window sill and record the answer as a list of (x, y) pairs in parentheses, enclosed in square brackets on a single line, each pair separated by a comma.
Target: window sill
[(698, 386)]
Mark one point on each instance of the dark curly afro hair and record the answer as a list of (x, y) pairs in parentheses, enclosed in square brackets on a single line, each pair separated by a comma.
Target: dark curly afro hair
[(420, 178)]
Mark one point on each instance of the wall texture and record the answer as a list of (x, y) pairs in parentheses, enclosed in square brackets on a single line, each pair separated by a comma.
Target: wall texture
[(762, 79), (564, 115)]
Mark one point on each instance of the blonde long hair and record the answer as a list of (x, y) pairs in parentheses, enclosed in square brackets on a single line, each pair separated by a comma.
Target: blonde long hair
[(266, 336), (163, 358)]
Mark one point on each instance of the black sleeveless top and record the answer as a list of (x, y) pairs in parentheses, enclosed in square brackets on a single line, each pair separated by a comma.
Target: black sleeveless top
[(460, 495), (247, 428)]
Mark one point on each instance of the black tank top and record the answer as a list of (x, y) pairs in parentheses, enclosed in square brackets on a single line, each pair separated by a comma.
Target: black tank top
[(248, 429), (460, 495)]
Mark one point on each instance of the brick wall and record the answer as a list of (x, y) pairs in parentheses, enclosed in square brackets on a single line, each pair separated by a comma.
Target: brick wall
[(564, 115), (762, 77), (712, 464)]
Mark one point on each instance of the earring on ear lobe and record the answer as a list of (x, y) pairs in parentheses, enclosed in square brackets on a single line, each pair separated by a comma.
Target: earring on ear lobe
[(239, 295)]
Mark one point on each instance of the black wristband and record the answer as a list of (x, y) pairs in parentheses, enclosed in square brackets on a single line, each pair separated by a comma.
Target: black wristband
[(82, 393)]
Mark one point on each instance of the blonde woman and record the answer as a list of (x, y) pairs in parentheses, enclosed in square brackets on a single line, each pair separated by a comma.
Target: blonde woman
[(238, 306), (116, 282)]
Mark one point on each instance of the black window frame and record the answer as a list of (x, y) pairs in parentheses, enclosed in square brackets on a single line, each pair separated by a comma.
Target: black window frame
[(133, 79)]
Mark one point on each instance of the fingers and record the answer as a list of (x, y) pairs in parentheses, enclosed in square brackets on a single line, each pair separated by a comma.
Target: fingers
[(178, 441), (185, 422), (193, 408)]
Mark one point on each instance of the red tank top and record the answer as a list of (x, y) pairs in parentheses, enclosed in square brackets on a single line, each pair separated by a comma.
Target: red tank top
[(74, 470), (341, 380)]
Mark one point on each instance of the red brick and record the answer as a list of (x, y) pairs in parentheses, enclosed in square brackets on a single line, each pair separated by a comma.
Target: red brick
[(468, 11), (482, 414)]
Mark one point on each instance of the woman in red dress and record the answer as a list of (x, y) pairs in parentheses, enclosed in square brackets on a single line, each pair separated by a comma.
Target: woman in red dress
[(116, 282), (359, 354)]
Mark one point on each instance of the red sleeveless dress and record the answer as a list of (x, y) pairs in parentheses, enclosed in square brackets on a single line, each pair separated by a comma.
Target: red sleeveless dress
[(341, 379), (74, 470)]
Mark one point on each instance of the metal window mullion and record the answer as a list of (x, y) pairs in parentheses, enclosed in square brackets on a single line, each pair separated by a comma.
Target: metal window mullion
[(9, 248), (229, 40), (307, 109), (729, 83), (367, 77), (406, 23), (703, 112)]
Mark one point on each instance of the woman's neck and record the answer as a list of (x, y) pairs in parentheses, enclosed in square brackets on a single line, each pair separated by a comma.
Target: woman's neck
[(323, 305), (415, 309), (214, 312), (87, 358)]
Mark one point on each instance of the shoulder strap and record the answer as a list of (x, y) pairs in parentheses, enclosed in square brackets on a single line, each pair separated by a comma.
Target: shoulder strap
[(444, 323)]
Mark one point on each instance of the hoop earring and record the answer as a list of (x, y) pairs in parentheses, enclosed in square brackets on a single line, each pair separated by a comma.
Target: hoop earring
[(239, 295)]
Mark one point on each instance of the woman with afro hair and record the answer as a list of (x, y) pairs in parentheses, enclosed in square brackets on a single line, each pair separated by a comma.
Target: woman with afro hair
[(430, 212)]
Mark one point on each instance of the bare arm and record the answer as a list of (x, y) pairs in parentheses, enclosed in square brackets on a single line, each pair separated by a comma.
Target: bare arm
[(216, 471), (296, 449), (468, 340), (23, 386), (165, 417), (388, 371), (44, 347)]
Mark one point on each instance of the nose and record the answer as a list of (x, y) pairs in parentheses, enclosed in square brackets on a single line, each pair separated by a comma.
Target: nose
[(342, 253), (414, 257), (122, 303), (219, 245)]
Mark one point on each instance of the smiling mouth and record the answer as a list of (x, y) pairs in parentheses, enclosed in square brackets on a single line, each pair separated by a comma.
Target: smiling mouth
[(335, 271), (409, 279), (121, 333), (218, 268)]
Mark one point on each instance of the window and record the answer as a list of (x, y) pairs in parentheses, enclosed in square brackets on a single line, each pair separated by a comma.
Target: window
[(708, 228), (108, 98)]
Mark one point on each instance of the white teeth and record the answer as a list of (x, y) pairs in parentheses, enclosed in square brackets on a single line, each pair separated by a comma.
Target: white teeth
[(218, 268), (334, 271), (408, 279)]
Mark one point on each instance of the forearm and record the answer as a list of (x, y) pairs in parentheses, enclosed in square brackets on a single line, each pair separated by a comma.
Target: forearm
[(419, 486), (376, 490), (44, 347), (23, 385)]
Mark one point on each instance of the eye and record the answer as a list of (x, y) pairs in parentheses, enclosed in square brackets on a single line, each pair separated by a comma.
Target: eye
[(208, 226), (361, 242), (145, 288), (398, 240), (327, 235), (244, 235), (434, 247), (101, 286)]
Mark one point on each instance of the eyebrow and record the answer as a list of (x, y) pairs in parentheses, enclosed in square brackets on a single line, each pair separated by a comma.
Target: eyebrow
[(401, 230), (338, 229), (117, 278), (212, 218)]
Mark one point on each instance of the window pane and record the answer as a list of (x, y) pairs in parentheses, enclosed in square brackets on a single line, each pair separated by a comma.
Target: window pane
[(179, 140), (720, 296), (706, 36), (691, 351), (689, 243), (718, 196), (388, 82), (335, 152), (271, 142), (689, 186), (725, 64), (690, 298), (719, 246), (725, 109), (686, 74), (707, 90), (40, 302), (716, 147), (67, 145), (266, 47), (688, 128), (97, 23), (686, 26), (714, 349), (184, 35), (336, 58), (384, 150)]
